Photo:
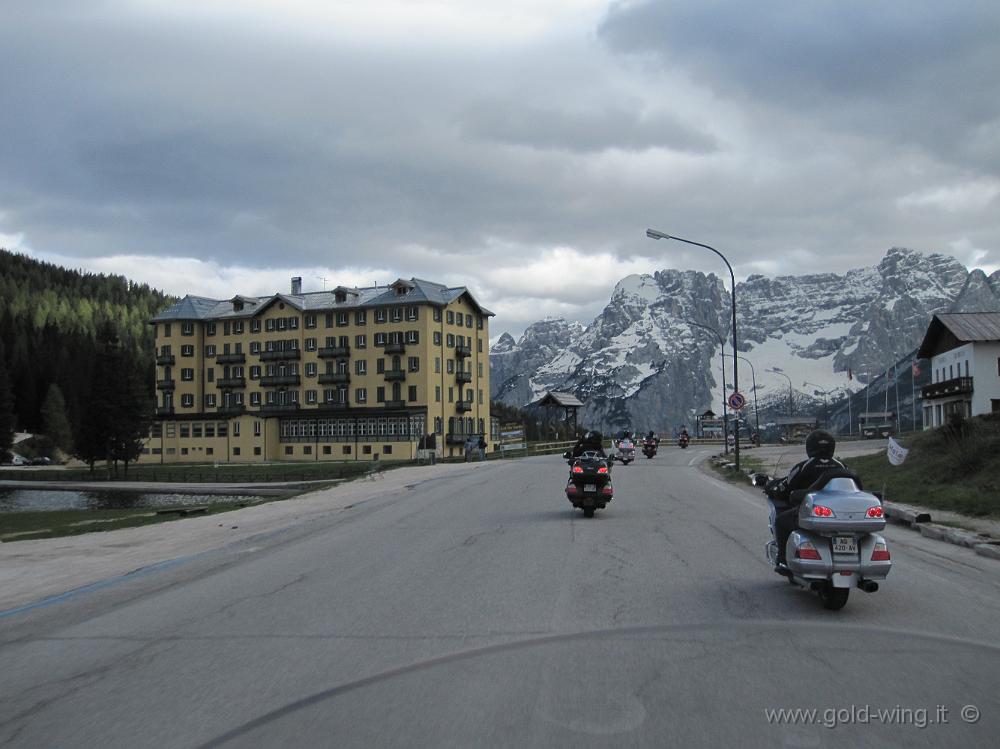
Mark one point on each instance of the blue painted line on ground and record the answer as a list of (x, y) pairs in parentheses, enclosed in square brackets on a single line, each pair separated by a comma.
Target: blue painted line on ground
[(100, 584)]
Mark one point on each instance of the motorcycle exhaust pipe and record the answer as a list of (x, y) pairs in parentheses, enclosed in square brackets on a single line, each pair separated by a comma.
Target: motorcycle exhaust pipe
[(868, 586)]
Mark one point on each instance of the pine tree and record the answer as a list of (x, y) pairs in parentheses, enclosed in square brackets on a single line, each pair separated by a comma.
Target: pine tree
[(6, 406), (54, 420)]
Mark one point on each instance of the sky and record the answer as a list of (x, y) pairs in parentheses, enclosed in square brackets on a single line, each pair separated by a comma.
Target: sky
[(519, 148)]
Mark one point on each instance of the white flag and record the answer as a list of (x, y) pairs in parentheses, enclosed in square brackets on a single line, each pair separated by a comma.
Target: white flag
[(897, 453)]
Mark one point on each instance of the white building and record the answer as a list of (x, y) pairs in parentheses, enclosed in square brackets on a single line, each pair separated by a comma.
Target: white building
[(964, 351)]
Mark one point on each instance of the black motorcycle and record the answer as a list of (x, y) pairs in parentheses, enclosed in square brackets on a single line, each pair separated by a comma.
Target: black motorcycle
[(682, 441), (589, 486), (649, 447)]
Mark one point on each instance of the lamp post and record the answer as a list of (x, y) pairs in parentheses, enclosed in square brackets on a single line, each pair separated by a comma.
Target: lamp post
[(822, 392), (777, 371), (753, 380), (725, 415), (654, 234)]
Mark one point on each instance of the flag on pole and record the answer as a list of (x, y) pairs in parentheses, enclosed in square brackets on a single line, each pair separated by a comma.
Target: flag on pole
[(916, 369), (896, 452), (890, 373), (850, 375)]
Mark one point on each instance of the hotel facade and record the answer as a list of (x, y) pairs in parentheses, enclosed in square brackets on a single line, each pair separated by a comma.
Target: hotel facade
[(346, 374)]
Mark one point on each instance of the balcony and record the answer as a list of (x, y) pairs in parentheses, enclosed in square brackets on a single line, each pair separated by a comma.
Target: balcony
[(456, 439), (336, 405), (166, 360), (947, 389), (165, 384), (463, 377), (231, 359), (164, 410), (334, 352), (279, 407), (233, 410), (463, 406), (395, 375), (395, 348), (279, 380), (231, 383), (395, 404), (285, 355), (463, 350), (335, 378)]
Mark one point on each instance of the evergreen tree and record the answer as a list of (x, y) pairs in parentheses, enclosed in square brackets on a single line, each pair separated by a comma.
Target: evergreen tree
[(54, 420), (6, 406)]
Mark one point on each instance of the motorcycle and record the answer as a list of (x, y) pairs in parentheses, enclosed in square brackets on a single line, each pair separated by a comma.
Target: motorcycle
[(649, 447), (682, 441), (837, 545), (625, 451), (589, 486)]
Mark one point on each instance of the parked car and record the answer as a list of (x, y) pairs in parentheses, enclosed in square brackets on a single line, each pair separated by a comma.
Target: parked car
[(41, 460), (13, 459)]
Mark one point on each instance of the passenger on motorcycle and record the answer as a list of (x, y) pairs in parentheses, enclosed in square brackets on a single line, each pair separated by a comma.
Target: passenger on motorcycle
[(819, 451), (591, 441)]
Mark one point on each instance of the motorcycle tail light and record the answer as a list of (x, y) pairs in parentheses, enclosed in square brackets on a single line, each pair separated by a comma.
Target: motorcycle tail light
[(822, 512), (606, 489), (577, 469), (807, 551), (880, 553), (571, 488), (602, 469), (874, 512)]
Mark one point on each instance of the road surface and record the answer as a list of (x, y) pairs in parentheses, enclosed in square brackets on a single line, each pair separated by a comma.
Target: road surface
[(478, 609)]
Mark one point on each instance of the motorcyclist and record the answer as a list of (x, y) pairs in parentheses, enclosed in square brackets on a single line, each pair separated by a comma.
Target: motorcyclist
[(820, 446), (590, 441), (652, 438)]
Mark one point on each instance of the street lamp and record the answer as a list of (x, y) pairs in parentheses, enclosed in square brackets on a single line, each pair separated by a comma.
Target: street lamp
[(822, 392), (753, 380), (725, 415), (654, 234), (777, 371)]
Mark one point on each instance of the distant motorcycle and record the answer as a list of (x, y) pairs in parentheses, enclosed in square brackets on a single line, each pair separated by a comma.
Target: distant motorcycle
[(649, 447), (625, 451), (836, 546), (589, 486), (682, 441)]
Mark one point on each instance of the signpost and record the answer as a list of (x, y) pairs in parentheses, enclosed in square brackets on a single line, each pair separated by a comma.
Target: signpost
[(737, 401), (512, 437)]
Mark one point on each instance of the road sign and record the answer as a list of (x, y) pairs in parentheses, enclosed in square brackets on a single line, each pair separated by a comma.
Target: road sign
[(737, 401)]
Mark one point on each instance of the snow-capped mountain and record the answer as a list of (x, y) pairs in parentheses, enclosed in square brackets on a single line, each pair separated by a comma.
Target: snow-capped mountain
[(645, 363)]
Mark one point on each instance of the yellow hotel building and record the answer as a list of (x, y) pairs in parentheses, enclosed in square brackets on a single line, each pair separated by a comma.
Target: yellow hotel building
[(347, 374)]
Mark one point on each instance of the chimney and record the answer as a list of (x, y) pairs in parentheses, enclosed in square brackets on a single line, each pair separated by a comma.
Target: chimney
[(296, 284)]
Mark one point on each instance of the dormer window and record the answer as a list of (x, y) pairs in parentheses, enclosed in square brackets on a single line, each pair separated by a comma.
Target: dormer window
[(238, 305), (340, 296)]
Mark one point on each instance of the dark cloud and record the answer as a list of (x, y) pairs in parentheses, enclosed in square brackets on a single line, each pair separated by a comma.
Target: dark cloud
[(909, 70)]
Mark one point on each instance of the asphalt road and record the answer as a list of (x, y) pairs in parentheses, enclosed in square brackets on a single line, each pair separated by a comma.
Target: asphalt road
[(479, 609)]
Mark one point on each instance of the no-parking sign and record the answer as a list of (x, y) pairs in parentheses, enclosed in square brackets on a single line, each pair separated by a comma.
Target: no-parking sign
[(737, 401)]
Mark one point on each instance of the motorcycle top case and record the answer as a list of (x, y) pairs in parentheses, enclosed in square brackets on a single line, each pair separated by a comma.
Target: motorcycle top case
[(849, 506)]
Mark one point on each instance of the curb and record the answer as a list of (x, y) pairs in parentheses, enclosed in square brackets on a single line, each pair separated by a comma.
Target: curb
[(918, 519)]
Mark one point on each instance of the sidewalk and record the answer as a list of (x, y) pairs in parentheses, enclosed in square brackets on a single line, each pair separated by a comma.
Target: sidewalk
[(33, 570)]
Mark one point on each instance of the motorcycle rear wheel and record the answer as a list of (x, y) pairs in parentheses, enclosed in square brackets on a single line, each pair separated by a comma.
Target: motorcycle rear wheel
[(588, 512), (834, 599)]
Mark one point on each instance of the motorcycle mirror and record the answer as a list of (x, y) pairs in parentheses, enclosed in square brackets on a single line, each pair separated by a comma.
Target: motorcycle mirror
[(568, 454), (760, 479)]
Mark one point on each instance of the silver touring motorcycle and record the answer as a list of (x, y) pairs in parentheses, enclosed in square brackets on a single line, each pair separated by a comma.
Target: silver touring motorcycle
[(837, 545)]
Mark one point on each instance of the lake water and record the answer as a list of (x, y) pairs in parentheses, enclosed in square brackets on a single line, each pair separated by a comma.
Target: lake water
[(20, 500)]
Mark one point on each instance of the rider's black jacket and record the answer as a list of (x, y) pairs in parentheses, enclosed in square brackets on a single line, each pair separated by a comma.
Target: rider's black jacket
[(591, 441), (802, 476)]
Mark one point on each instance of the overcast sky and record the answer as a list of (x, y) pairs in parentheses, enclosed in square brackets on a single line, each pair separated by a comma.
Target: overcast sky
[(518, 147)]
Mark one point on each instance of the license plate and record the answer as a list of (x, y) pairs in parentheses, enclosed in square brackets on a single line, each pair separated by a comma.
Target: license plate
[(845, 545), (590, 487)]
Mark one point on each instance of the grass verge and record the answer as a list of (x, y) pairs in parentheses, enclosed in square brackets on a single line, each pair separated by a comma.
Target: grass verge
[(35, 524), (734, 477), (955, 468)]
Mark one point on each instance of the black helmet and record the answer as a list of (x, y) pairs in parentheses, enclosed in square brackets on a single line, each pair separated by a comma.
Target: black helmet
[(820, 444)]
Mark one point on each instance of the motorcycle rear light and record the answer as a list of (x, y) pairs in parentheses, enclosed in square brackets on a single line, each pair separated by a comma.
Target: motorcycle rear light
[(606, 489), (822, 512), (880, 553), (602, 469), (571, 488), (577, 469), (874, 512), (807, 551)]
